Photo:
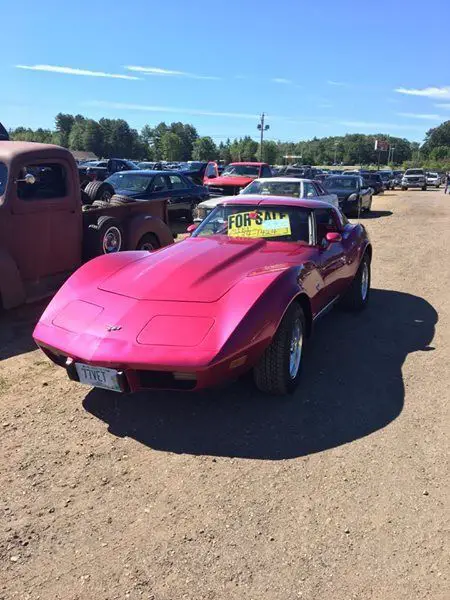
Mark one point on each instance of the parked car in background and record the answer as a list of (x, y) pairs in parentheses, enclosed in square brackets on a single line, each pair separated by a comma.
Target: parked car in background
[(235, 177), (397, 181), (240, 295), (149, 166), (289, 187), (195, 170), (181, 193), (373, 179), (354, 195), (414, 178), (388, 179), (433, 178), (301, 171)]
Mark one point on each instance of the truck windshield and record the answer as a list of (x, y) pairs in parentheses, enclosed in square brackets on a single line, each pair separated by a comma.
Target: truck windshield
[(3, 178), (241, 171)]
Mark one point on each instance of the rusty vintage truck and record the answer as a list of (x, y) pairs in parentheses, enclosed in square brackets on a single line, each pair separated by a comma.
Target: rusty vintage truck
[(45, 230)]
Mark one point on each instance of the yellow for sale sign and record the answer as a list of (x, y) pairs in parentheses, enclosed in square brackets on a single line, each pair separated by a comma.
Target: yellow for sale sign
[(259, 224)]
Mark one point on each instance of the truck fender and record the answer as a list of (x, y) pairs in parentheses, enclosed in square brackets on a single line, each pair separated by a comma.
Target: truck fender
[(138, 226), (12, 291)]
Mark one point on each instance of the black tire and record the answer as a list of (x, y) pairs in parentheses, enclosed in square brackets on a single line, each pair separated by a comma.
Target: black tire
[(354, 299), (85, 199), (148, 242), (119, 199), (99, 190), (105, 237), (424, 188), (272, 375), (404, 188)]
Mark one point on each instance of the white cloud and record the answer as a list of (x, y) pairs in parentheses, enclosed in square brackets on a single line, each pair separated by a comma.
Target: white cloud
[(170, 109), (338, 83), (441, 93), (71, 71), (281, 80), (426, 117), (374, 126), (168, 73)]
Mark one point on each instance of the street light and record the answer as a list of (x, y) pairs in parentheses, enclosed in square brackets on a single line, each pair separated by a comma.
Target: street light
[(262, 129), (336, 144)]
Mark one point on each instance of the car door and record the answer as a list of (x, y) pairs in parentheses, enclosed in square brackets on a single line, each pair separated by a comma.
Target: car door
[(181, 198), (160, 188), (46, 220), (332, 261)]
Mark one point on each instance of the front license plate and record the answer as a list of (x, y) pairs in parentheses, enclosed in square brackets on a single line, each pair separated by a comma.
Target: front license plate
[(98, 377)]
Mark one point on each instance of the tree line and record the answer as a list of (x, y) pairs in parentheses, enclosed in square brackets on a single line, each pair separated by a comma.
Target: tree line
[(180, 142)]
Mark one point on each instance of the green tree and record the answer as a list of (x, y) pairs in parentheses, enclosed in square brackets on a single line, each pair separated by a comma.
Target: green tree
[(438, 136), (440, 153), (63, 125), (224, 151), (204, 149), (171, 146), (269, 153), (92, 137), (76, 137)]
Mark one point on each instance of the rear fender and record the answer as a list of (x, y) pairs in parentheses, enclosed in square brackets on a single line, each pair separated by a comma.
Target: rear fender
[(12, 290), (138, 226)]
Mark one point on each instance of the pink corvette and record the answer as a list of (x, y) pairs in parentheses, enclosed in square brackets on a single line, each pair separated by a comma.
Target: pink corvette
[(241, 293)]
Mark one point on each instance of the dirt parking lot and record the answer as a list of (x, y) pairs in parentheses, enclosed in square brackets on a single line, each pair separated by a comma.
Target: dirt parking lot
[(338, 494)]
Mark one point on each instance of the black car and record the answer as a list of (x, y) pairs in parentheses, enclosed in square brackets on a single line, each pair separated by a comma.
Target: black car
[(388, 179), (373, 179), (195, 170), (182, 194), (353, 194)]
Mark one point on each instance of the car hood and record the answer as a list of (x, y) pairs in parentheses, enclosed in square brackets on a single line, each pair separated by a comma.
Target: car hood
[(236, 181), (198, 269)]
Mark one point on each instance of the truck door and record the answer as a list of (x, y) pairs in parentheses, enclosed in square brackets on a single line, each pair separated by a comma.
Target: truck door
[(46, 220)]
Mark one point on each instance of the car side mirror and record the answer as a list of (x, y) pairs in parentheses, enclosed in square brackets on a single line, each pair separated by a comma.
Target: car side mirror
[(333, 236), (29, 179), (192, 228)]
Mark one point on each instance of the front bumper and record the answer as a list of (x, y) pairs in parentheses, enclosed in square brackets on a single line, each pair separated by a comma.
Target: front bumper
[(413, 184)]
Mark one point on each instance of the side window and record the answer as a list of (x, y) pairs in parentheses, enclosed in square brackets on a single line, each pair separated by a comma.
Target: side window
[(320, 190), (176, 182), (309, 191), (325, 222), (159, 184), (50, 182), (266, 172), (211, 170)]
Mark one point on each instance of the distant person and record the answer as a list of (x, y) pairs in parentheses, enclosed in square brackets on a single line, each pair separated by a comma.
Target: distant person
[(447, 182)]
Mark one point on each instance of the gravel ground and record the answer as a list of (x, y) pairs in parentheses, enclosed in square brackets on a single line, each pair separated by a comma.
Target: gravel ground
[(338, 494)]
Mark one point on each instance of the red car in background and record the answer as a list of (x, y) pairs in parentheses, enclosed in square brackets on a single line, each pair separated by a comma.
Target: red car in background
[(234, 178), (241, 294)]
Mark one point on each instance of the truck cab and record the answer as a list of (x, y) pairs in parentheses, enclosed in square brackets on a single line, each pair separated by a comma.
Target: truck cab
[(44, 232)]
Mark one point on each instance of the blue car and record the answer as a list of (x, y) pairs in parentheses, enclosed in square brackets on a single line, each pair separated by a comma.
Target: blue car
[(182, 194)]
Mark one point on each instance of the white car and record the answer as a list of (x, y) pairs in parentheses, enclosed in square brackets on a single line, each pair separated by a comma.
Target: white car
[(434, 179), (291, 187)]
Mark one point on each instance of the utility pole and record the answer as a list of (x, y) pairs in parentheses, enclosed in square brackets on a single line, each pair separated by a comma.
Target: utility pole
[(262, 128), (392, 154), (335, 152)]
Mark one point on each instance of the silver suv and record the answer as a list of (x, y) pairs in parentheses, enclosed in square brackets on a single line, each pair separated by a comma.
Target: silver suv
[(414, 178)]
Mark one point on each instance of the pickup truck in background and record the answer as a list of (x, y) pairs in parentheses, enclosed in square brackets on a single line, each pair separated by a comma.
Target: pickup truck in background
[(47, 230), (234, 178)]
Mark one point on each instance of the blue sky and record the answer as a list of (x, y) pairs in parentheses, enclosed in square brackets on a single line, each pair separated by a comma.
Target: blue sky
[(323, 67)]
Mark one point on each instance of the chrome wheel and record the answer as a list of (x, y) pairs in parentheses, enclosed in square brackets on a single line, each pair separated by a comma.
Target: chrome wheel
[(112, 240), (295, 355), (106, 196), (364, 281)]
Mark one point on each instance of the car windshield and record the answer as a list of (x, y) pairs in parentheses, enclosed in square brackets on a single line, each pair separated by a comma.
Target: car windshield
[(194, 166), (341, 183), (290, 189), (432, 174), (241, 171), (414, 172), (3, 178), (126, 180), (273, 223)]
